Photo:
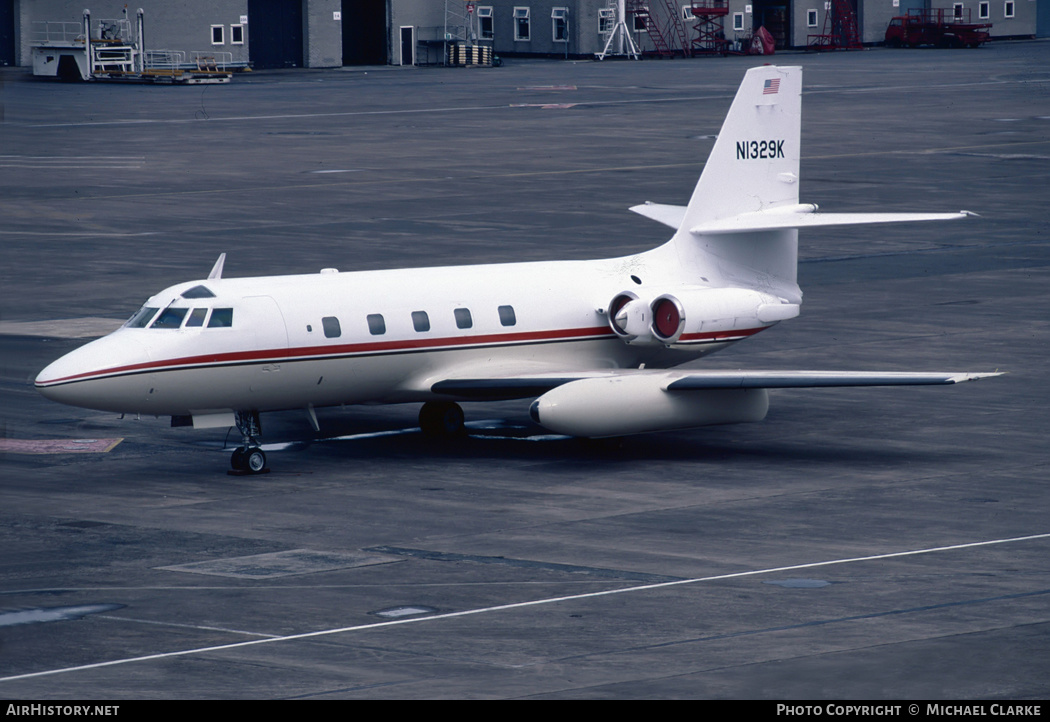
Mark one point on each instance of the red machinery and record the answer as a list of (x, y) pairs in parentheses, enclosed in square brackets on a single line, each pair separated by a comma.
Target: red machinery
[(942, 27)]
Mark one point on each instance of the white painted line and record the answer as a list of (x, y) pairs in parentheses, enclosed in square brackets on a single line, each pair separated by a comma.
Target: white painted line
[(521, 605), (188, 626)]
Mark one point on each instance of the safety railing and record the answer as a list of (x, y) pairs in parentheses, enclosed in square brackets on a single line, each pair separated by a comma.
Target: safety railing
[(48, 31)]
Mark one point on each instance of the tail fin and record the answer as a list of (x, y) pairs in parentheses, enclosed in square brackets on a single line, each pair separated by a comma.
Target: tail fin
[(753, 167), (741, 226), (754, 163)]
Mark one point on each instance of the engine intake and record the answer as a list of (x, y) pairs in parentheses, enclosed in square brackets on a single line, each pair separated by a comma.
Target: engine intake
[(668, 318)]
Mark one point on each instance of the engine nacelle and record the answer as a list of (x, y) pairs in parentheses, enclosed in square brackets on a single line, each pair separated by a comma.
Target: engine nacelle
[(629, 318), (637, 404), (693, 314)]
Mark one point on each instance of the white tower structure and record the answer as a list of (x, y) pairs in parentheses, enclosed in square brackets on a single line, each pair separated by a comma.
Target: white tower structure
[(625, 44)]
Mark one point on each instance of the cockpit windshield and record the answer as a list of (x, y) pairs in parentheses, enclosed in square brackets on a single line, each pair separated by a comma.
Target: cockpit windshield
[(170, 317), (142, 318), (173, 317)]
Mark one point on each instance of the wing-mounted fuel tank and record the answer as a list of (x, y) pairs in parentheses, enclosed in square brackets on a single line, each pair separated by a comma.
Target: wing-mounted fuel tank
[(637, 404), (690, 315)]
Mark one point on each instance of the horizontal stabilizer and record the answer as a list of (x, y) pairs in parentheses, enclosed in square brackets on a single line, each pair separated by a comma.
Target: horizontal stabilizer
[(803, 217), (671, 216)]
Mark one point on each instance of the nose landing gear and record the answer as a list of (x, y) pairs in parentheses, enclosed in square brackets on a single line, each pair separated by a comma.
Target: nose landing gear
[(249, 458)]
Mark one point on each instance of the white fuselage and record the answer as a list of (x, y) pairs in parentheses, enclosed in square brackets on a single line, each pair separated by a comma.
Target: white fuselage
[(335, 338), (573, 334)]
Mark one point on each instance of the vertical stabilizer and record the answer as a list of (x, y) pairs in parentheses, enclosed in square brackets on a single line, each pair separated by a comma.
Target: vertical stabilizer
[(754, 166), (754, 163)]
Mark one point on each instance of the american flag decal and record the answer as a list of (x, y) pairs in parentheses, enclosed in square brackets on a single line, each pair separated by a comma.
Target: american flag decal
[(770, 87)]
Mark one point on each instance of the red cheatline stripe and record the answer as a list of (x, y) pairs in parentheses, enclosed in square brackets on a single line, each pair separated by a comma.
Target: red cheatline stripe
[(721, 335), (308, 352), (304, 353)]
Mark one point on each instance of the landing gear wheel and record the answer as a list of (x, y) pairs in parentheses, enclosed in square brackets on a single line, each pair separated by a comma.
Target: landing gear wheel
[(441, 419), (248, 461), (248, 458), (255, 461)]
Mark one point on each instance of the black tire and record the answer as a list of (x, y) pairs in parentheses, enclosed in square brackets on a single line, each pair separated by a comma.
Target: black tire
[(238, 461), (441, 419), (255, 461)]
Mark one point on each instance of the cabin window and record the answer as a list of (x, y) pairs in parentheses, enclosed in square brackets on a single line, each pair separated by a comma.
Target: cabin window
[(198, 292), (376, 324), (196, 317), (142, 317), (331, 327), (221, 318), (170, 318), (463, 319), (420, 321), (506, 315)]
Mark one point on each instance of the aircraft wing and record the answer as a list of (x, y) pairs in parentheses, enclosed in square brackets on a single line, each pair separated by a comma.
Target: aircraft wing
[(817, 379), (531, 385)]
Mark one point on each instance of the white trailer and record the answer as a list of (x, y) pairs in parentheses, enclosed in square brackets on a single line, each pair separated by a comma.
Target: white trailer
[(110, 50)]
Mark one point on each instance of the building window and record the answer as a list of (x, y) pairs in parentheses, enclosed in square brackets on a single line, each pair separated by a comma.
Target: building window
[(485, 22), (217, 35), (376, 324), (330, 324), (983, 10), (957, 10), (738, 21), (506, 316), (236, 35), (521, 24), (463, 319), (811, 18), (687, 13), (1008, 9), (606, 20), (641, 20), (560, 25), (420, 321)]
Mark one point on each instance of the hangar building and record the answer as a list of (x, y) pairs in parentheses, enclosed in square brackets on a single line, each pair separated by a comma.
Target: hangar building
[(332, 33)]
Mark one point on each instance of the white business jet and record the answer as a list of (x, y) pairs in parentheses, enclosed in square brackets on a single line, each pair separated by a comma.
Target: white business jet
[(594, 342)]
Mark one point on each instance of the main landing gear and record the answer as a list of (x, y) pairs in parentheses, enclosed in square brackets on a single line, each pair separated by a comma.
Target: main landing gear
[(441, 419), (249, 457)]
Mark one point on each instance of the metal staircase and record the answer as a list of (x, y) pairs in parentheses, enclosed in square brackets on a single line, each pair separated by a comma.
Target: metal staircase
[(840, 29)]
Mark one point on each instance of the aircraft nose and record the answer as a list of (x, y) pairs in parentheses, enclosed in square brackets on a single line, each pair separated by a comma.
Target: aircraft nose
[(80, 377)]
